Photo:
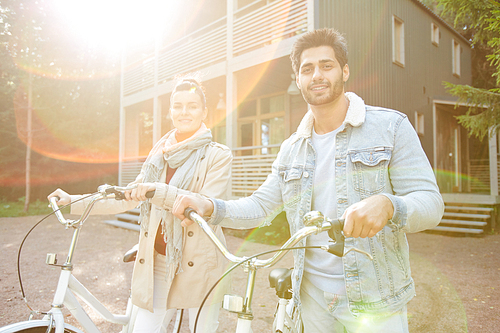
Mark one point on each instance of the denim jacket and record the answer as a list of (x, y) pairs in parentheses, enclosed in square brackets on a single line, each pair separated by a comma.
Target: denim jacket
[(377, 152)]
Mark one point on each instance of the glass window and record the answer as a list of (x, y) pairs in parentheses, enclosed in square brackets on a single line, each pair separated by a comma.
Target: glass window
[(398, 42), (435, 34), (456, 58), (247, 109)]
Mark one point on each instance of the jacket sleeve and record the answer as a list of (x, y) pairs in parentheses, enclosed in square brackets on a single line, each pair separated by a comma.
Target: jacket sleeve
[(216, 181), (418, 205), (259, 209)]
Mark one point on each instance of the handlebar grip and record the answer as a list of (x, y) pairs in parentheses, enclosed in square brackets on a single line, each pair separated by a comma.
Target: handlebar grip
[(150, 194), (188, 211)]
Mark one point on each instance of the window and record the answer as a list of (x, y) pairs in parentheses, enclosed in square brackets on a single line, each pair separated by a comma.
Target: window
[(456, 58), (261, 122), (398, 41), (419, 123), (435, 34)]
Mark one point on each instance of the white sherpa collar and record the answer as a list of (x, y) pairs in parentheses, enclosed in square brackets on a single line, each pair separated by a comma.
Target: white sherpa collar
[(355, 116)]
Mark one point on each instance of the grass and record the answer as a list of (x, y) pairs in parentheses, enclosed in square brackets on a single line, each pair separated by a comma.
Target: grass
[(16, 208)]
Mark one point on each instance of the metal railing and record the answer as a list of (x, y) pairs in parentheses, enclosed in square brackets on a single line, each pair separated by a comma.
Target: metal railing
[(250, 168), (207, 46)]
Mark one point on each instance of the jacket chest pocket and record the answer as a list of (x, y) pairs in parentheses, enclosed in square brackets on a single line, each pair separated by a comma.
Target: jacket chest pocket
[(370, 170), (290, 185)]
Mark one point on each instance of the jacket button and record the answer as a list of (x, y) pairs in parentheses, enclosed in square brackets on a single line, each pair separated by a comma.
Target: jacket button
[(141, 261), (306, 174), (190, 264), (190, 234), (146, 234)]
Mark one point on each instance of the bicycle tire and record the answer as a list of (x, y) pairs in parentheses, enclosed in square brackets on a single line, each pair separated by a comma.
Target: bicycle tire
[(35, 326), (177, 322)]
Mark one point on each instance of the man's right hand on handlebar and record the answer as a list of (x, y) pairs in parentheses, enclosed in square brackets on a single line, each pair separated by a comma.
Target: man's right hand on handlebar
[(64, 198), (203, 207)]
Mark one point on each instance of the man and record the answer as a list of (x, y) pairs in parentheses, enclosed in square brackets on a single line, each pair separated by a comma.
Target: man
[(349, 160)]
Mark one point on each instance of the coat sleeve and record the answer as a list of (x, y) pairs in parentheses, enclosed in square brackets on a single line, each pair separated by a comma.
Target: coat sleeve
[(418, 205), (259, 209), (215, 181)]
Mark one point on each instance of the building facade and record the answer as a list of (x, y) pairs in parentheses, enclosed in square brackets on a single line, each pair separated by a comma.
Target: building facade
[(400, 53)]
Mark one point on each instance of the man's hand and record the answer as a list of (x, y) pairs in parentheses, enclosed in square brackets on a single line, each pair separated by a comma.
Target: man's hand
[(367, 217), (64, 198), (203, 207), (139, 193)]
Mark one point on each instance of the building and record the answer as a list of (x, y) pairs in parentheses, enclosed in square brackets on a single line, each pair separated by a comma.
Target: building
[(400, 53)]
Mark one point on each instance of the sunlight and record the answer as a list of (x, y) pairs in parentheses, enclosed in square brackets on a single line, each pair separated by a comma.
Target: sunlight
[(112, 24)]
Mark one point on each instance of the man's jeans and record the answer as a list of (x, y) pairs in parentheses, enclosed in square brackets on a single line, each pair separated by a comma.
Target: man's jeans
[(324, 312)]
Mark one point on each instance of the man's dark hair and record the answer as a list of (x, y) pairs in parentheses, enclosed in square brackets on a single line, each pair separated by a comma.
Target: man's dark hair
[(316, 38)]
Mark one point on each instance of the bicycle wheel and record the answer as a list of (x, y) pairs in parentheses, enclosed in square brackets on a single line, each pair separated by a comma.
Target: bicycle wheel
[(35, 326), (175, 324)]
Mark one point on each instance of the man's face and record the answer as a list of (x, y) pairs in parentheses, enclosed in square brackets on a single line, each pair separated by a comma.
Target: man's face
[(321, 79)]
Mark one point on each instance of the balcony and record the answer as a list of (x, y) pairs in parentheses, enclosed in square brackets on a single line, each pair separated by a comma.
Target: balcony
[(250, 29)]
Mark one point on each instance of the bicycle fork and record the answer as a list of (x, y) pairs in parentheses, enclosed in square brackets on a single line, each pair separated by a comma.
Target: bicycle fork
[(242, 306)]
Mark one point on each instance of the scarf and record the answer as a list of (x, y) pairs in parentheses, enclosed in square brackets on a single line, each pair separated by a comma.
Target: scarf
[(183, 156)]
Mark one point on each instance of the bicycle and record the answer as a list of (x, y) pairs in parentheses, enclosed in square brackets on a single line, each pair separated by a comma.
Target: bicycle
[(69, 287), (286, 317)]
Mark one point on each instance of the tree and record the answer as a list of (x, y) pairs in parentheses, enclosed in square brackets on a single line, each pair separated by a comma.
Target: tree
[(479, 21), (75, 97)]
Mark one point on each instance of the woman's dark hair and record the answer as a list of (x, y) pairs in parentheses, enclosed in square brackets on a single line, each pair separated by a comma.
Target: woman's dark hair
[(191, 85), (316, 38)]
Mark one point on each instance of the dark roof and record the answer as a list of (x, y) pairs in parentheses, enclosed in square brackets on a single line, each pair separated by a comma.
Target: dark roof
[(437, 17)]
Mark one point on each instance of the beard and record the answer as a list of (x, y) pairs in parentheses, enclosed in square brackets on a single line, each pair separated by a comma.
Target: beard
[(326, 97)]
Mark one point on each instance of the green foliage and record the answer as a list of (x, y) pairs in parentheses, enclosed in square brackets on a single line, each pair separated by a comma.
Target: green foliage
[(479, 21), (484, 110), (16, 208), (275, 234), (75, 98)]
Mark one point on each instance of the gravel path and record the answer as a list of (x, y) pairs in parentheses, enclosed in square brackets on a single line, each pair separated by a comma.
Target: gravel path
[(457, 278)]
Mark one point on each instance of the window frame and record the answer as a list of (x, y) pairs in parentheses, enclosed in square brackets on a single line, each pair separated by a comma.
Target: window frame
[(398, 41), (435, 34), (456, 50)]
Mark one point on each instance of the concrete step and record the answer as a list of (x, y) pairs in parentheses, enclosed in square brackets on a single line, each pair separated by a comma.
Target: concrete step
[(128, 217), (469, 208), (462, 222), (467, 215), (122, 224), (458, 230)]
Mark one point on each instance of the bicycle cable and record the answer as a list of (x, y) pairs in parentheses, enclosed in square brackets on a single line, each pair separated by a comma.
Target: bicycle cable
[(238, 264), (21, 247)]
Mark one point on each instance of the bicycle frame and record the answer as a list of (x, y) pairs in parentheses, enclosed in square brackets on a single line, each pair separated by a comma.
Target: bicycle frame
[(69, 286), (315, 223)]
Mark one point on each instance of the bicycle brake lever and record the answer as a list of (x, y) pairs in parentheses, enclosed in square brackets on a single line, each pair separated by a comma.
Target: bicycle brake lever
[(335, 233)]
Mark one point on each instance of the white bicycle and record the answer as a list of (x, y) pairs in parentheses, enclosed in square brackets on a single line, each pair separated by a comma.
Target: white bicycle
[(287, 317), (69, 287)]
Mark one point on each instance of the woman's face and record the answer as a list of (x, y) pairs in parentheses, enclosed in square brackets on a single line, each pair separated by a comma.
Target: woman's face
[(187, 112)]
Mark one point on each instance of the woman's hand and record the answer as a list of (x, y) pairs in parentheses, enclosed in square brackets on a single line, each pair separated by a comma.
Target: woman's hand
[(63, 198), (139, 193)]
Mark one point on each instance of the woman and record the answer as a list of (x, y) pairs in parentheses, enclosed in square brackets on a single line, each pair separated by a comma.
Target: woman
[(175, 266)]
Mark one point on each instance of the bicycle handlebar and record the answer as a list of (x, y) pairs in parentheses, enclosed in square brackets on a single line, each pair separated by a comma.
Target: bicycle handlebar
[(316, 223), (103, 192)]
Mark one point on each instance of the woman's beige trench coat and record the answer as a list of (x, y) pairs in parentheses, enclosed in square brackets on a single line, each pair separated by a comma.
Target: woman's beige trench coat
[(202, 263)]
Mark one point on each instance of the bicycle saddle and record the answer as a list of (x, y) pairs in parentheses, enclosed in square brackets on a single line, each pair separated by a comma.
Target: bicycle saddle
[(281, 280), (131, 254)]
